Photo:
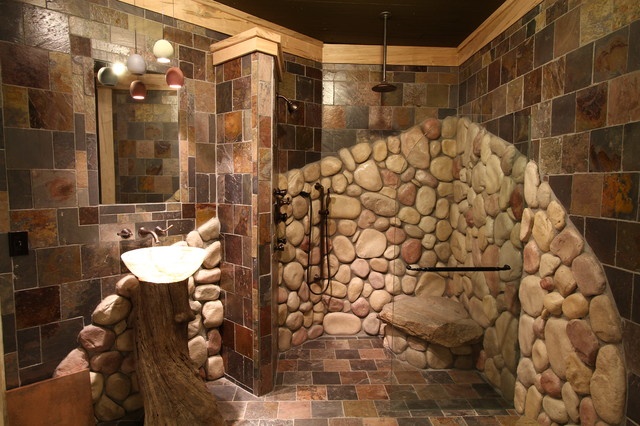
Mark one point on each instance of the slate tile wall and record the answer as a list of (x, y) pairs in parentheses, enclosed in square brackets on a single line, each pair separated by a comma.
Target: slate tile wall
[(49, 167)]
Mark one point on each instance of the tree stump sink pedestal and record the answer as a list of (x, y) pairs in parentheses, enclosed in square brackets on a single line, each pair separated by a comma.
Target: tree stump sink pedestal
[(173, 392)]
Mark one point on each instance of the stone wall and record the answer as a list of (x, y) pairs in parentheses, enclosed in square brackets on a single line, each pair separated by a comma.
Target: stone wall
[(572, 368), (107, 345), (451, 193)]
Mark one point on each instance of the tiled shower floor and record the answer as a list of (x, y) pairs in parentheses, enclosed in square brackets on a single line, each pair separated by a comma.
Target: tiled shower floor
[(356, 382)]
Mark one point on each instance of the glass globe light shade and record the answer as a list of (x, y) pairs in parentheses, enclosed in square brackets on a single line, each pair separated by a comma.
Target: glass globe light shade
[(163, 50), (138, 90), (107, 77), (175, 77), (136, 64)]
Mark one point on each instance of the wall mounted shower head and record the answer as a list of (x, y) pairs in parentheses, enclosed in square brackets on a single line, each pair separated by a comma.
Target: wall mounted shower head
[(291, 106)]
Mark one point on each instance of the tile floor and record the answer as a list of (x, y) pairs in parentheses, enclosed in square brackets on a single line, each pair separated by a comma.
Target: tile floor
[(355, 381)]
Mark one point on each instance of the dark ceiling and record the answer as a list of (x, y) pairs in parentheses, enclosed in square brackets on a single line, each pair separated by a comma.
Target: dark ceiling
[(441, 23)]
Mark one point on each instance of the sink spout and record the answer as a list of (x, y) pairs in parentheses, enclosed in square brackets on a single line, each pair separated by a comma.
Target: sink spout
[(144, 232)]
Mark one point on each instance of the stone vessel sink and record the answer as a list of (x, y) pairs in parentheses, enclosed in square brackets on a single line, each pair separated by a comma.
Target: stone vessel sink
[(164, 264)]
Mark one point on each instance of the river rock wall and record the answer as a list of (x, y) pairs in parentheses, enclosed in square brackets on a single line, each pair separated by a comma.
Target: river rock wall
[(450, 193), (106, 346), (572, 367), (441, 193)]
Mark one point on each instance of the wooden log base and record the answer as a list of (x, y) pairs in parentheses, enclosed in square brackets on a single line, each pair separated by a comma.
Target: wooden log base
[(172, 391)]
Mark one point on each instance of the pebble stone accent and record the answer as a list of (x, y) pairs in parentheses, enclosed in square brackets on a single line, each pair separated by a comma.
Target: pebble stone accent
[(449, 193), (106, 346)]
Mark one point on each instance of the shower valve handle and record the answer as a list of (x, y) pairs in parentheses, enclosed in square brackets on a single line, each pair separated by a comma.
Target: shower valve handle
[(283, 201)]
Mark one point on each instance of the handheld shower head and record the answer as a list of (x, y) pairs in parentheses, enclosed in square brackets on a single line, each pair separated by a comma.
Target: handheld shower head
[(291, 106)]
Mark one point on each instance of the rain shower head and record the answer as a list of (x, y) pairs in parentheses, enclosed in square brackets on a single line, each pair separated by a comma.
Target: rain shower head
[(383, 86), (291, 106)]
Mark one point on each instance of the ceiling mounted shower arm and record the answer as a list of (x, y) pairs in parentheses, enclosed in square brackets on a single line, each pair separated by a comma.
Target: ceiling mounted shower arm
[(385, 16), (383, 86)]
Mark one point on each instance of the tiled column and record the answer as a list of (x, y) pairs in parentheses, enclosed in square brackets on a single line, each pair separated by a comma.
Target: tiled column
[(245, 93)]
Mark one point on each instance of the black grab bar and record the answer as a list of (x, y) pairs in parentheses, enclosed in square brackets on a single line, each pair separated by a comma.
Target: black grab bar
[(459, 268)]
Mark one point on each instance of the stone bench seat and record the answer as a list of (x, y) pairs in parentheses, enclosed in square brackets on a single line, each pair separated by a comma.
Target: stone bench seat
[(434, 319)]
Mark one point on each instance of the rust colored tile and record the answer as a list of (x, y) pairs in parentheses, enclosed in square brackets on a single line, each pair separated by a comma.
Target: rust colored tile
[(60, 72), (50, 110), (37, 306), (311, 393), (586, 194), (232, 69), (611, 55), (22, 65), (54, 188), (233, 127), (41, 225), (242, 158), (67, 397), (354, 378), (591, 107), (625, 90), (334, 117), (371, 392), (380, 118), (244, 341), (620, 195)]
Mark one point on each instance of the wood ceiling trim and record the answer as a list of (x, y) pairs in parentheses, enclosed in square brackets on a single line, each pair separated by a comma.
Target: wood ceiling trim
[(227, 20), (499, 21), (396, 55)]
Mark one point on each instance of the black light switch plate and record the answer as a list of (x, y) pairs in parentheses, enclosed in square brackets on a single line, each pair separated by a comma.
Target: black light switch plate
[(18, 243)]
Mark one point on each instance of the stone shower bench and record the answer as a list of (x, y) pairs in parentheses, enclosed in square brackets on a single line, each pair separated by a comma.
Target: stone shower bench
[(431, 332)]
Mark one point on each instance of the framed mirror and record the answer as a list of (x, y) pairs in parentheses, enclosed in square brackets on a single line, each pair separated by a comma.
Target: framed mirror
[(138, 142)]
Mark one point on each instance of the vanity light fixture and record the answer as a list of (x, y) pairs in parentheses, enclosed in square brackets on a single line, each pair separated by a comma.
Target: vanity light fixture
[(175, 77), (107, 77), (138, 90), (135, 62), (162, 49)]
